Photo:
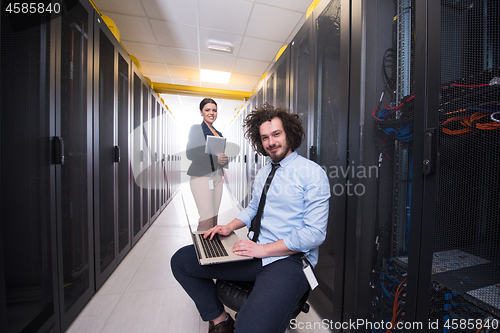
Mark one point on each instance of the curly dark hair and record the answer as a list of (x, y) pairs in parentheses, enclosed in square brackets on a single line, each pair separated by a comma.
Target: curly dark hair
[(292, 125)]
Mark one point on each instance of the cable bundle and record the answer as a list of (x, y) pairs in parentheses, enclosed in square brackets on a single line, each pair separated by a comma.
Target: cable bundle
[(480, 90), (389, 297), (396, 120), (466, 125), (396, 310)]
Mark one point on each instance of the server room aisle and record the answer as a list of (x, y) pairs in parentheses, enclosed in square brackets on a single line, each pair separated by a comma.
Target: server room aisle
[(142, 295)]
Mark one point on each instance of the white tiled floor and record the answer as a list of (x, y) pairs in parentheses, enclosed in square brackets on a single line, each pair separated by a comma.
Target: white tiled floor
[(142, 295)]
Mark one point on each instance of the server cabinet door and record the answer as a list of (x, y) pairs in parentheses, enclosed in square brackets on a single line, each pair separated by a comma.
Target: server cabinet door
[(122, 156), (105, 182), (462, 283), (270, 88), (282, 96), (302, 81), (382, 214), (277, 81), (28, 297), (74, 175), (261, 98), (159, 181), (138, 148), (330, 137), (154, 156), (146, 173)]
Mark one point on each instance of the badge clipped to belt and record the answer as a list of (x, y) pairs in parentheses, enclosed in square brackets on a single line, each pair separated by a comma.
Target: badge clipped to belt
[(306, 267)]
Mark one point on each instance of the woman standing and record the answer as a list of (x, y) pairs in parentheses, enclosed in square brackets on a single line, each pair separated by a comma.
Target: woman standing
[(206, 170)]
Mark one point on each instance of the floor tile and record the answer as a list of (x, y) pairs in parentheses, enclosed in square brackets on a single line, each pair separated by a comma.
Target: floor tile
[(95, 315), (153, 274), (120, 279), (166, 310)]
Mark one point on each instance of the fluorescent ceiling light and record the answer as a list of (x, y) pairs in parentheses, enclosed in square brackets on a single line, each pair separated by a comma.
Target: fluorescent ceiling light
[(207, 75), (220, 46)]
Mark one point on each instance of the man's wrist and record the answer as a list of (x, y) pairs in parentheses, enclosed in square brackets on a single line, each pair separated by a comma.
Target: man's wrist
[(235, 224)]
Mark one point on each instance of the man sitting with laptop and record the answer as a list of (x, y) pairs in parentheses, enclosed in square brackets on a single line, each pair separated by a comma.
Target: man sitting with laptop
[(287, 218)]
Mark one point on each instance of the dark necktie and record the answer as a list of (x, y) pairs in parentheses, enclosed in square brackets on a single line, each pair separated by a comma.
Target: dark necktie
[(255, 227)]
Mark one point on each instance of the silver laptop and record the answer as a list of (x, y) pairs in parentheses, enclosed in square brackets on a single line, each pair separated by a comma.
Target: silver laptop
[(216, 250)]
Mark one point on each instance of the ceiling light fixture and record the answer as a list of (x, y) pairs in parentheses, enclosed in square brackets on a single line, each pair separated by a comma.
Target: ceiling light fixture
[(220, 46), (207, 75)]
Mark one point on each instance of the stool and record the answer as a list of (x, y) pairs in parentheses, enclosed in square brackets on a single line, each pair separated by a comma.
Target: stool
[(233, 294)]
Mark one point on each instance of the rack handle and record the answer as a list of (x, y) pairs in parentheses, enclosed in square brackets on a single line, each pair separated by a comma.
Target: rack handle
[(430, 151), (116, 154), (58, 150)]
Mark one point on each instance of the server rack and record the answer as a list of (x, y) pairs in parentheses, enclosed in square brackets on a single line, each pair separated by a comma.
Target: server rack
[(424, 214), (330, 140), (138, 155), (73, 50), (260, 96), (29, 298), (302, 72), (270, 81), (111, 72), (124, 169), (153, 146), (387, 147), (51, 215), (464, 266), (277, 81), (282, 90), (147, 158)]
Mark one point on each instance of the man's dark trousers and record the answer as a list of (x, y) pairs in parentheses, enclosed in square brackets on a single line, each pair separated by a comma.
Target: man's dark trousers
[(278, 288)]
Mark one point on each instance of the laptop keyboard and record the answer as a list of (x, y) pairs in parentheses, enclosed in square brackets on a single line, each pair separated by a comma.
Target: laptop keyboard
[(213, 248)]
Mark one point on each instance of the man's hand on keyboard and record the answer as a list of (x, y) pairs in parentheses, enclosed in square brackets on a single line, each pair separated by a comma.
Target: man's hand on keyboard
[(222, 230)]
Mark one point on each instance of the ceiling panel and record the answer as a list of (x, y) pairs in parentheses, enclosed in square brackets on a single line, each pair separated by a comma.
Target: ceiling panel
[(225, 15), (152, 68), (259, 49), (160, 79), (252, 67), (185, 74), (184, 12), (175, 35), (263, 23), (143, 51), (217, 61), (185, 58)]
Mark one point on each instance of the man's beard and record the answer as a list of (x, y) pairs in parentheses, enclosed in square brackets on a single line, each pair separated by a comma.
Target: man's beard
[(277, 157)]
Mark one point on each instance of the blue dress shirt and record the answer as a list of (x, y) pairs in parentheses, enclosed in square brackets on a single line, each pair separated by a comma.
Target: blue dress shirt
[(296, 207)]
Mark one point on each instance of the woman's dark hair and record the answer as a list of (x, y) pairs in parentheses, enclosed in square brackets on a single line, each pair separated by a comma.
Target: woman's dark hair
[(206, 101), (292, 125)]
